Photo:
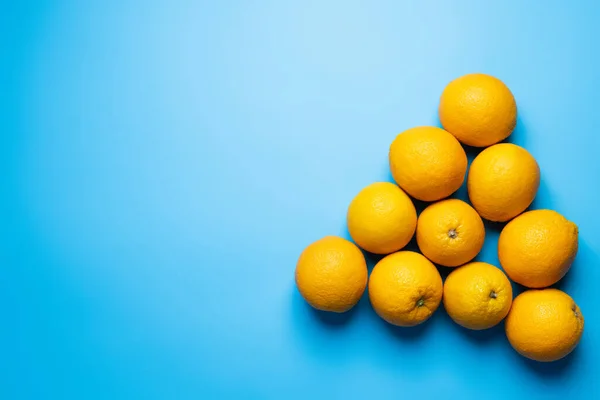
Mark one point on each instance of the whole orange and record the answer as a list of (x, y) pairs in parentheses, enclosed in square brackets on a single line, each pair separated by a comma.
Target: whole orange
[(405, 288), (544, 325), (503, 181), (331, 274), (477, 295), (478, 109), (382, 218), (428, 163), (450, 232), (537, 248)]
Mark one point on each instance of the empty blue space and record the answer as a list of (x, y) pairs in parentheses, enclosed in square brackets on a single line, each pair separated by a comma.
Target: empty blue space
[(164, 163)]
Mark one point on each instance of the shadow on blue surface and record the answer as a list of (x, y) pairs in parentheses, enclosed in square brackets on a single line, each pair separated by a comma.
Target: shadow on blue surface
[(331, 319), (586, 258), (444, 272), (493, 226), (472, 152), (543, 198), (565, 283), (420, 205), (551, 370), (372, 259), (519, 134), (481, 337), (414, 333)]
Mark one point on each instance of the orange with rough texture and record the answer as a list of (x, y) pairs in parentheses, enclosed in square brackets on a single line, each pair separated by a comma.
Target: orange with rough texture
[(537, 248), (477, 295), (331, 274), (544, 325), (478, 109), (503, 181), (450, 232), (405, 288), (382, 218), (428, 163)]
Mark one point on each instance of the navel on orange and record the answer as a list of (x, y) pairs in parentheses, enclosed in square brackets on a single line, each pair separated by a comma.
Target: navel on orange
[(450, 232), (405, 288), (477, 295)]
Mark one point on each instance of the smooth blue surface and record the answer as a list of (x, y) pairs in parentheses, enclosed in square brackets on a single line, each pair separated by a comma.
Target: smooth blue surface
[(164, 163)]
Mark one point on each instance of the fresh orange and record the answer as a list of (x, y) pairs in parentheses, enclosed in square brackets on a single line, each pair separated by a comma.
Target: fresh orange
[(477, 295), (544, 325), (331, 274), (405, 288), (537, 248), (503, 181), (450, 232), (478, 109), (428, 163), (382, 218)]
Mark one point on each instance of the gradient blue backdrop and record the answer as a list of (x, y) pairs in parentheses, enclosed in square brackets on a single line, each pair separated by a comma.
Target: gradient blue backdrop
[(163, 164)]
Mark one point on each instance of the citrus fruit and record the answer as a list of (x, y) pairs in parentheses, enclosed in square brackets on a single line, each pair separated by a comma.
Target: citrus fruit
[(405, 288), (477, 295), (450, 232), (503, 181), (382, 218), (544, 325), (536, 249), (478, 109), (331, 274), (428, 163)]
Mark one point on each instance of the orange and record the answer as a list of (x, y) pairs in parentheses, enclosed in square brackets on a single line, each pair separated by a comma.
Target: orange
[(537, 248), (382, 218), (477, 295), (478, 109), (428, 163), (405, 288), (544, 325), (450, 232), (503, 181), (331, 274)]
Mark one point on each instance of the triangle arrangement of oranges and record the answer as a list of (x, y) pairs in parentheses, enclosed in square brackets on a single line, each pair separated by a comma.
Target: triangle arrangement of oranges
[(535, 248)]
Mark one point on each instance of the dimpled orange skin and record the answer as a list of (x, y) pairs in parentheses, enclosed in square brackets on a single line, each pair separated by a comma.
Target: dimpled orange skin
[(537, 248), (503, 181), (478, 109), (331, 274), (405, 288), (428, 163), (544, 325), (382, 218), (477, 295), (450, 232)]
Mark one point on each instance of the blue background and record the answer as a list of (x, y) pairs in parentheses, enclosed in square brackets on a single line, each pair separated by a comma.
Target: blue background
[(164, 163)]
